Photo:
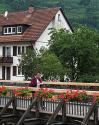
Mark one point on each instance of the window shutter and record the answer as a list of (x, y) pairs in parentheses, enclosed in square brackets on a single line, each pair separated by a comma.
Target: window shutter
[(14, 70), (14, 50)]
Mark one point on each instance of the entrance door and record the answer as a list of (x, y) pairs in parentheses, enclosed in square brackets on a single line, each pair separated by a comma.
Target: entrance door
[(7, 73)]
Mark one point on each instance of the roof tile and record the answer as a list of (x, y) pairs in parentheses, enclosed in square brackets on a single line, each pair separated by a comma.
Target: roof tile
[(37, 21)]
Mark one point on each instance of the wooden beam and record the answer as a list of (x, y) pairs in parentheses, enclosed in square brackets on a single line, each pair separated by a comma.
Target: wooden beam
[(6, 106), (55, 113), (87, 117), (27, 111)]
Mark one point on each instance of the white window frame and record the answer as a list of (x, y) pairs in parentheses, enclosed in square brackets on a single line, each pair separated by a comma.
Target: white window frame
[(19, 54), (7, 28), (19, 47), (7, 51), (18, 29), (4, 30), (19, 71)]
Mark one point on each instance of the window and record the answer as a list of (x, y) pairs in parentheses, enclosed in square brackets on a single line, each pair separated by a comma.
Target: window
[(14, 50), (3, 51), (9, 30), (5, 30), (19, 71), (14, 70), (59, 19), (19, 50), (13, 30), (6, 51), (19, 29), (23, 50)]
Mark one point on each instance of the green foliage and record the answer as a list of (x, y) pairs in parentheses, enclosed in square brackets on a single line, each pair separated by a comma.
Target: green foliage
[(4, 92), (77, 11), (46, 63), (30, 63), (51, 65), (3, 8), (77, 51), (88, 78)]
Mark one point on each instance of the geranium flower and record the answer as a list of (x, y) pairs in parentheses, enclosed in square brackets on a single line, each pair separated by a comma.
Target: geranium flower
[(74, 95), (22, 91), (44, 93), (4, 90)]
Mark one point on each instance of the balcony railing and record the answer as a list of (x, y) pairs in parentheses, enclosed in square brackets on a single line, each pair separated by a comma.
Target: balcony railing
[(6, 59)]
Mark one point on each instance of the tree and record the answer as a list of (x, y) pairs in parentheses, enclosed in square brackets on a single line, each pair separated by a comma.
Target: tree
[(46, 63), (30, 63), (51, 66), (77, 51)]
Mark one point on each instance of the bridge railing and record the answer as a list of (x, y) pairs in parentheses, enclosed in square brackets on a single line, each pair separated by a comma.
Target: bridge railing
[(74, 109), (56, 85)]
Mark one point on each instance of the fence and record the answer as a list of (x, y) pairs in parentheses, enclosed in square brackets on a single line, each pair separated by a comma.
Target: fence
[(73, 109)]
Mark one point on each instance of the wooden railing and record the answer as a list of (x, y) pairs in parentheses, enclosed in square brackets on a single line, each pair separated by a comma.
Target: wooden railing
[(71, 109), (23, 103), (56, 85)]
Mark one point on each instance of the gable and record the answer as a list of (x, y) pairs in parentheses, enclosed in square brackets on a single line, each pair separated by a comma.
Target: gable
[(36, 21)]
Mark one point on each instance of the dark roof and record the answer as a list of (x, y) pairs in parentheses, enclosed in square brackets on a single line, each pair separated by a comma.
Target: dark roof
[(37, 21)]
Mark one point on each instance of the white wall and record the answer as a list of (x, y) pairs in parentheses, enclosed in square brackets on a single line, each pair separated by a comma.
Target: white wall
[(45, 37), (63, 23), (15, 60)]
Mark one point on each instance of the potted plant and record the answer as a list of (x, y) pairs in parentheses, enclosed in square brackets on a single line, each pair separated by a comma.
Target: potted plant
[(74, 95), (44, 93), (22, 92), (4, 90)]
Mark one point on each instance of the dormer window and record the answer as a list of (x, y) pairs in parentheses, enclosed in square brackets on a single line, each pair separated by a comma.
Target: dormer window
[(19, 29), (5, 30), (9, 30), (12, 30)]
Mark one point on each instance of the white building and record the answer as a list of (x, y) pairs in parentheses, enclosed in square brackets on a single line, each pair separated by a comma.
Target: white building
[(19, 30)]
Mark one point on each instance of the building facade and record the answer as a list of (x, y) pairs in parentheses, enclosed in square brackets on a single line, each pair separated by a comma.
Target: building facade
[(21, 30)]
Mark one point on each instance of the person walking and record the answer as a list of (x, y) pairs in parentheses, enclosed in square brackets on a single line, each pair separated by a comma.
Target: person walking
[(39, 80), (36, 80)]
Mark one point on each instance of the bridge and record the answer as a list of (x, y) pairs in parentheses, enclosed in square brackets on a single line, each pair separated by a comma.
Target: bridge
[(76, 112)]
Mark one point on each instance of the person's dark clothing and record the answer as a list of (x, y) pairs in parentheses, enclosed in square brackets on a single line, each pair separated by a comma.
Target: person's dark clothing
[(33, 82)]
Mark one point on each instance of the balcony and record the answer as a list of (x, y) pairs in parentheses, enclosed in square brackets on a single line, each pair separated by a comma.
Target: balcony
[(4, 60)]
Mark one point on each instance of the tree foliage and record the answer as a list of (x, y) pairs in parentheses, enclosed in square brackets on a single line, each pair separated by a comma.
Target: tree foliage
[(77, 51), (51, 65), (30, 63), (46, 63)]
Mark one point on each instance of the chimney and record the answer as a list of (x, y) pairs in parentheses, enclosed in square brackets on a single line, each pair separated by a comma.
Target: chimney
[(30, 9), (6, 14)]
